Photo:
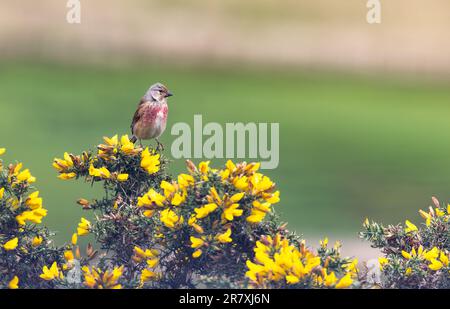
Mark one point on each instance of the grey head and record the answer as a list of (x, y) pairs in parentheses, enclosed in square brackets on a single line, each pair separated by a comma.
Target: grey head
[(157, 92)]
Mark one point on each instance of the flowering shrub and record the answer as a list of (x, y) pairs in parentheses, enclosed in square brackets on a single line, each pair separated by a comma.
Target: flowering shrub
[(25, 246), (197, 228), (121, 228), (279, 264), (414, 257), (206, 227)]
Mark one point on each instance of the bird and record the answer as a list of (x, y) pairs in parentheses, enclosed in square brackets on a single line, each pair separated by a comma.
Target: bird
[(150, 118)]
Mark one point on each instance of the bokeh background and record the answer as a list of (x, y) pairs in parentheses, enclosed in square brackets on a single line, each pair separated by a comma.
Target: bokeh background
[(363, 109)]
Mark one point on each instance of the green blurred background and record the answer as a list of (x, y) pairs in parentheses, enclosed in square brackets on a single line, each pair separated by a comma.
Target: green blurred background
[(363, 109)]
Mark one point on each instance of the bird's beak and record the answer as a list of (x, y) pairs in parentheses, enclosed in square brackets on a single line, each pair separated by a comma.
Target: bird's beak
[(169, 94)]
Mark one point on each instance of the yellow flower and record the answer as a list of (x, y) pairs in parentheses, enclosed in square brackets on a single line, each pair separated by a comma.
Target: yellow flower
[(25, 176), (406, 255), (68, 255), (150, 163), (273, 198), (151, 197), (177, 199), (2, 151), (345, 282), (197, 253), (196, 242), (185, 180), (237, 197), (439, 212), (232, 211), (96, 278), (204, 167), (150, 255), (241, 183), (37, 240), (382, 261), (170, 218), (113, 141), (51, 273), (2, 192), (329, 280), (14, 283), (410, 227), (147, 275), (435, 265), (225, 237), (34, 216), (260, 183), (205, 210), (291, 279), (256, 216), (432, 254), (122, 177), (127, 145), (408, 271), (67, 176), (444, 258), (74, 239), (152, 262), (11, 244), (34, 201), (83, 227)]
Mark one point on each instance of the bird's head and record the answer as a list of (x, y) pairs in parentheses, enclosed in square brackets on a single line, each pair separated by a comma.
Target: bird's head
[(158, 92)]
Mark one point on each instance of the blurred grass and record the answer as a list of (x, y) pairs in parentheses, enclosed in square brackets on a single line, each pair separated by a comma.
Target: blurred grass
[(351, 147)]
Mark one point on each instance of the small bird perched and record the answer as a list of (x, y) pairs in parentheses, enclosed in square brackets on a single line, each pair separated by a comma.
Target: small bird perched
[(150, 118)]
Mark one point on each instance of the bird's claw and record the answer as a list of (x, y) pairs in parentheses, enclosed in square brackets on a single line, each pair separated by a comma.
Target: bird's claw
[(159, 146)]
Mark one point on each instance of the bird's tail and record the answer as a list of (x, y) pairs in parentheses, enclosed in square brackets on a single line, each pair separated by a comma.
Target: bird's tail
[(133, 139)]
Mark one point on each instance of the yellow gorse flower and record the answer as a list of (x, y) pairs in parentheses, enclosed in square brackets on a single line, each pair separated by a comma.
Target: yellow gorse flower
[(196, 242), (225, 237), (170, 218), (37, 240), (11, 244), (17, 176), (51, 273), (410, 227), (74, 239), (278, 261), (67, 176), (382, 261), (150, 162), (83, 227), (102, 172), (204, 211), (34, 216), (147, 275), (197, 253), (14, 283), (95, 278), (149, 255), (122, 177)]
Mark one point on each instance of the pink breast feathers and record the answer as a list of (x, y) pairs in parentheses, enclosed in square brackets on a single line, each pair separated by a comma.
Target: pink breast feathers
[(155, 113)]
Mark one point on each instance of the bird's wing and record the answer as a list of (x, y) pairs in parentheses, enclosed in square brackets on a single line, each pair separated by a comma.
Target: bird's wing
[(137, 115)]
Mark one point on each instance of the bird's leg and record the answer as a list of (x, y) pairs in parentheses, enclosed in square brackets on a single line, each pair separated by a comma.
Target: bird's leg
[(159, 146), (140, 142)]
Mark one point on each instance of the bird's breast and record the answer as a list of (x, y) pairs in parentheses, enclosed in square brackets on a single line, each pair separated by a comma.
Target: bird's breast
[(153, 121), (155, 112)]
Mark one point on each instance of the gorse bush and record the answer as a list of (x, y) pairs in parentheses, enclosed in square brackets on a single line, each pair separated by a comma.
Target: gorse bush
[(197, 228), (414, 257), (206, 227), (25, 246), (280, 264)]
